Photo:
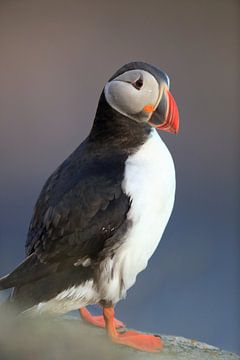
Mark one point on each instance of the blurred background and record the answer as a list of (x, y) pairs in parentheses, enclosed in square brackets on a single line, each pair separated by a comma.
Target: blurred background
[(55, 57)]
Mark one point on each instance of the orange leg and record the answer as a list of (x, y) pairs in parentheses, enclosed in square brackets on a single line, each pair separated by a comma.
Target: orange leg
[(134, 339), (98, 320)]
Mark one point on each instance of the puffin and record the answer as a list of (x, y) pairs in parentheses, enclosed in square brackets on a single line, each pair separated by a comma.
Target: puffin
[(101, 214)]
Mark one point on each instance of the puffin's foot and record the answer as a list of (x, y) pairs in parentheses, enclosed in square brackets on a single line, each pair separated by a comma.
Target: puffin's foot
[(134, 339), (98, 320), (143, 342)]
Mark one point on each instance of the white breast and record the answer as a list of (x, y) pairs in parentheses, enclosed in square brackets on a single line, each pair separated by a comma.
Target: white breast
[(150, 182)]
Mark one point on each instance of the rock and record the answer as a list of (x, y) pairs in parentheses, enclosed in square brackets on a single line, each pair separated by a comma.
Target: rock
[(71, 339)]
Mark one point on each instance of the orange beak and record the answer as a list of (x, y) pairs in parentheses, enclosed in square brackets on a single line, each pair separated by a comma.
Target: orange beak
[(171, 123), (165, 116)]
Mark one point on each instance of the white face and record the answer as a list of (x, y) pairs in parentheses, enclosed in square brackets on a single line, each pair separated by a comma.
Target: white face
[(131, 92)]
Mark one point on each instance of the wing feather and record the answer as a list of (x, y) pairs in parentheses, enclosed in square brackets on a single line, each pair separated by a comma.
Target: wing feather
[(81, 206)]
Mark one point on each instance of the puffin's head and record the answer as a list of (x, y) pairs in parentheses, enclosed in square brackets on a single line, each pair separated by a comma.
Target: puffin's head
[(141, 92)]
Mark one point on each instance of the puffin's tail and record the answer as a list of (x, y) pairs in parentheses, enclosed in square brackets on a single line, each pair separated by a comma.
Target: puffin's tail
[(5, 283), (29, 270)]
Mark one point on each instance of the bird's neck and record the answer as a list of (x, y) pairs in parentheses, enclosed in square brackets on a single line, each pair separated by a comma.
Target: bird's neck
[(116, 129)]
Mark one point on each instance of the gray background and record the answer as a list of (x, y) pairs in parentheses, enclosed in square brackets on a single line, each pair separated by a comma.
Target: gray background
[(55, 57)]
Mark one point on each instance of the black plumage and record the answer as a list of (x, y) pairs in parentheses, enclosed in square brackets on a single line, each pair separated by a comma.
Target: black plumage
[(101, 214), (80, 217), (82, 204), (81, 212)]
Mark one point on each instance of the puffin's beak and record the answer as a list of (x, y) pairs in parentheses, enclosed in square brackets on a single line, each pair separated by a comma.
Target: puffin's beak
[(166, 116)]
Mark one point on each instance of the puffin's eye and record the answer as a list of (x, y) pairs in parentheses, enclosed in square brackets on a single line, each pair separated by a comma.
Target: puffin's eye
[(138, 83)]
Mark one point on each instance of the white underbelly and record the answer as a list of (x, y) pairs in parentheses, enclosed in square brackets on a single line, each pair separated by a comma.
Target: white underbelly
[(72, 298), (150, 182)]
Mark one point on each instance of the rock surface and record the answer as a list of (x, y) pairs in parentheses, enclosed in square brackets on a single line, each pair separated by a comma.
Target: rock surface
[(71, 339)]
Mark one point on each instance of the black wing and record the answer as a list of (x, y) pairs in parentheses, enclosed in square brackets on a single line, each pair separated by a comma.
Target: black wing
[(81, 209)]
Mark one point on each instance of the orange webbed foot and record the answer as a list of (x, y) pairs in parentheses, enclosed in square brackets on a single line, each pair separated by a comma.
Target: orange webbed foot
[(133, 339), (98, 321), (139, 341)]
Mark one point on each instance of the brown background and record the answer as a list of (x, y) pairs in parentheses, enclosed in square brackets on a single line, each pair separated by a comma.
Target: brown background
[(55, 57)]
